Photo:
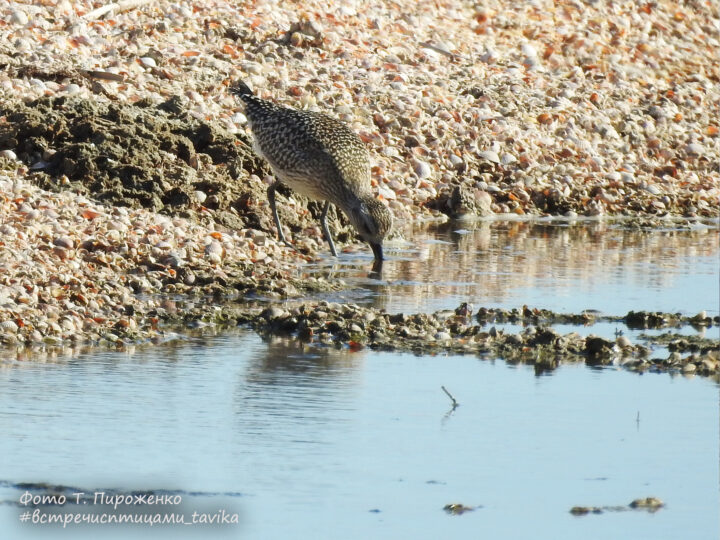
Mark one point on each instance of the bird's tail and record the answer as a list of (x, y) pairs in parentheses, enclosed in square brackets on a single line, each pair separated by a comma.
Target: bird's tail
[(241, 90)]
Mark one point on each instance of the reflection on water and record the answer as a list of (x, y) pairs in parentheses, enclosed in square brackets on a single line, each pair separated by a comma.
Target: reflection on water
[(361, 443), (286, 382), (552, 265), (365, 444)]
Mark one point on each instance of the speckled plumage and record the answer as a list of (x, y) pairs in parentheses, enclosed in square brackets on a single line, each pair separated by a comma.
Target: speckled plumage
[(319, 157)]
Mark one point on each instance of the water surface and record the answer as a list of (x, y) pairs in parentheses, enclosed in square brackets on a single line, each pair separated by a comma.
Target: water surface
[(303, 442), (564, 267), (365, 444)]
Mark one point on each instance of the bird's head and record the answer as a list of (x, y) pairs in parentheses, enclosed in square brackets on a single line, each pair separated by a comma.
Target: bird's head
[(373, 220)]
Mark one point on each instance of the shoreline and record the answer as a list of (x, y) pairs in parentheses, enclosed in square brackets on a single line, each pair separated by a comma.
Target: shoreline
[(561, 115), (322, 324)]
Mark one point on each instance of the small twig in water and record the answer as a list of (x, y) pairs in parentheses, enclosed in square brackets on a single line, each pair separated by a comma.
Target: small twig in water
[(454, 401)]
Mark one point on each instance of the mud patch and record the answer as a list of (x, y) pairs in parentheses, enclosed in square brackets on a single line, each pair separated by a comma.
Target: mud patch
[(155, 156)]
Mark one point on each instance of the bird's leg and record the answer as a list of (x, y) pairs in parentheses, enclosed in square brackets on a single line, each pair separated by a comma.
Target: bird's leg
[(326, 231), (271, 198)]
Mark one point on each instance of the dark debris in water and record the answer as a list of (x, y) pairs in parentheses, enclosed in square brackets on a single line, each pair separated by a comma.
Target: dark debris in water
[(648, 504), (457, 509), (635, 320)]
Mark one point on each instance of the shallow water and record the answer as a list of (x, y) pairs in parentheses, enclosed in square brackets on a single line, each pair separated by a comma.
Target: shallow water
[(563, 267), (364, 444), (321, 442)]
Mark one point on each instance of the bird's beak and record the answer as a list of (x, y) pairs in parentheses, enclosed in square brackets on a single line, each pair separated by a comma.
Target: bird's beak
[(378, 263)]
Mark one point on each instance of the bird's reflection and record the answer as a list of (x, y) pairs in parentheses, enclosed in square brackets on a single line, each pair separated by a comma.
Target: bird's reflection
[(307, 388), (286, 358), (488, 261)]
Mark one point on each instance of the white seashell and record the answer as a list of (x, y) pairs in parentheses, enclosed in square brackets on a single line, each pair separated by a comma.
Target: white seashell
[(528, 50), (214, 247), (694, 149), (627, 177), (507, 159), (386, 193), (456, 161), (115, 225), (8, 326), (64, 7), (490, 56), (239, 119), (19, 17), (148, 62), (252, 68), (422, 169), (71, 89), (166, 246), (489, 155), (63, 242)]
